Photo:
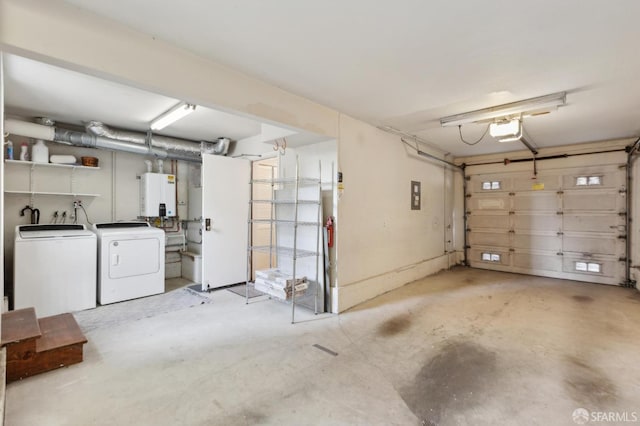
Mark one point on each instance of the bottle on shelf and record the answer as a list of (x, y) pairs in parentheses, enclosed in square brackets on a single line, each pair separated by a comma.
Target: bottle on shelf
[(24, 152), (9, 150), (40, 152)]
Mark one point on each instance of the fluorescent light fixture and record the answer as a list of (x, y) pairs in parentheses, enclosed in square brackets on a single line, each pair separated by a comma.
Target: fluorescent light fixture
[(506, 131), (531, 106), (171, 116)]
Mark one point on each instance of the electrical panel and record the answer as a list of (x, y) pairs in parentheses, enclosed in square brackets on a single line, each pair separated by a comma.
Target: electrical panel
[(157, 195)]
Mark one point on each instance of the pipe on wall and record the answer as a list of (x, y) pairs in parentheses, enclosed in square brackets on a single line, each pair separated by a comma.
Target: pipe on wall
[(31, 130), (220, 147), (69, 137)]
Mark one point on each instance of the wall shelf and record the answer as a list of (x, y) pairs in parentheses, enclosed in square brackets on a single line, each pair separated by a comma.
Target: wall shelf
[(33, 175), (54, 165), (68, 194)]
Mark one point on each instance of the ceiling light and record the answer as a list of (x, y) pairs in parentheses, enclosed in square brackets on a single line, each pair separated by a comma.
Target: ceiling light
[(171, 116), (507, 130), (513, 138), (515, 109)]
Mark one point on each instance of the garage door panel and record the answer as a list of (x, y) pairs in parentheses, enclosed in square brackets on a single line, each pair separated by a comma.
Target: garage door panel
[(551, 242), (493, 202), (592, 201), (585, 222), (540, 222), (534, 261), (476, 257), (543, 182), (602, 244), (488, 222), (535, 201), (609, 267), (489, 239)]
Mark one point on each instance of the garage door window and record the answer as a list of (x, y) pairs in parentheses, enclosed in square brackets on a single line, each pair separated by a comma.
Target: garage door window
[(588, 267), (588, 180), (493, 185), (490, 257)]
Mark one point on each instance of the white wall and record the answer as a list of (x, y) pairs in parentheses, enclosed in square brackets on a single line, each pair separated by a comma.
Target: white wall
[(327, 154), (382, 243)]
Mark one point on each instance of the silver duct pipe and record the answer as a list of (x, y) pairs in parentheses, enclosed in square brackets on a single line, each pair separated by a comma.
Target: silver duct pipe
[(101, 136), (93, 141), (68, 137), (163, 142)]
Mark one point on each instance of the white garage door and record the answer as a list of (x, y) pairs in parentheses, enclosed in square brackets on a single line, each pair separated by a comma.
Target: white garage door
[(569, 222)]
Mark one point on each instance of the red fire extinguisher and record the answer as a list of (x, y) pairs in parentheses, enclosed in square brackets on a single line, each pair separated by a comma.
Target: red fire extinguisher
[(330, 231)]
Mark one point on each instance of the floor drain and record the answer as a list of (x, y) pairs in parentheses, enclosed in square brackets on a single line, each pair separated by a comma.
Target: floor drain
[(327, 350)]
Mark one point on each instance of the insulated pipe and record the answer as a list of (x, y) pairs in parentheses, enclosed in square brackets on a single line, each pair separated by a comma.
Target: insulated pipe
[(48, 133), (31, 130), (164, 142), (99, 129), (92, 141)]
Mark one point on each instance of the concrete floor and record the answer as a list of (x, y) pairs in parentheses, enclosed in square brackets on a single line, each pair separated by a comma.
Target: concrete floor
[(462, 347)]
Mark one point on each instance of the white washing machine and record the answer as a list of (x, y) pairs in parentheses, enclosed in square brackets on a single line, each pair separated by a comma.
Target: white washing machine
[(54, 268), (130, 261)]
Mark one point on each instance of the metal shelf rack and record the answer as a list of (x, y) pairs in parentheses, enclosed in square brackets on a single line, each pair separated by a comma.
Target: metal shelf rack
[(292, 220)]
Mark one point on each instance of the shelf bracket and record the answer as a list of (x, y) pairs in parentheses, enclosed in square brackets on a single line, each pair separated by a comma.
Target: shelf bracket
[(31, 177), (72, 180)]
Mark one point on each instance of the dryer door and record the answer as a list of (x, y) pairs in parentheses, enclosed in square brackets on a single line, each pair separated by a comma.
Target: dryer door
[(134, 257)]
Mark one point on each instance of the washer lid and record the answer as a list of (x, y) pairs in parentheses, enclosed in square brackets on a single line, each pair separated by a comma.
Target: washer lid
[(52, 231)]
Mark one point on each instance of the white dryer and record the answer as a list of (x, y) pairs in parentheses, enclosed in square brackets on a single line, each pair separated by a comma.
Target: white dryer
[(130, 261), (54, 268)]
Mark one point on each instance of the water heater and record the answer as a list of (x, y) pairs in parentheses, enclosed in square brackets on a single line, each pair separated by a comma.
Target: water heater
[(157, 195)]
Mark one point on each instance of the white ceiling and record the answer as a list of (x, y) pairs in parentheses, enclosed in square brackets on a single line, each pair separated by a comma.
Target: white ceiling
[(41, 90), (409, 62)]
